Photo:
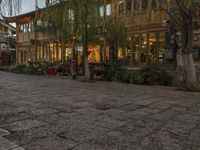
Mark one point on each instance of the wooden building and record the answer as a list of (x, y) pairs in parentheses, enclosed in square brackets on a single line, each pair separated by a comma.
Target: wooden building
[(146, 42), (146, 28), (7, 44), (32, 45)]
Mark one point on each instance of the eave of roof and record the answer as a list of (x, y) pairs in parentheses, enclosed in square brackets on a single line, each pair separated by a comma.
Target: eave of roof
[(8, 25), (16, 18)]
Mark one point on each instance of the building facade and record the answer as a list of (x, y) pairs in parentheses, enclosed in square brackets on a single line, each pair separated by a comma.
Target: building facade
[(147, 36), (146, 27), (7, 44)]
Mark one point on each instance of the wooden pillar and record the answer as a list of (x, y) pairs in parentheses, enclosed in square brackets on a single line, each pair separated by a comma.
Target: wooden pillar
[(73, 50), (24, 55), (49, 52), (63, 51), (103, 45), (132, 7), (17, 43), (131, 48), (54, 52), (104, 7), (157, 47), (147, 49), (139, 48), (124, 8), (117, 8), (35, 50), (43, 51), (112, 7), (57, 51)]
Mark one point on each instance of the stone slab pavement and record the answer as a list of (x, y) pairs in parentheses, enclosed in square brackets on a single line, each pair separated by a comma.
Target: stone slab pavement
[(53, 113)]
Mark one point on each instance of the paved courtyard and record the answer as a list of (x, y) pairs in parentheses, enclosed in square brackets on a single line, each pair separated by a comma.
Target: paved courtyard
[(55, 113)]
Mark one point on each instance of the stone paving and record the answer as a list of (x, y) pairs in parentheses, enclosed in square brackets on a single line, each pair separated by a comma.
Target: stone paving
[(56, 113)]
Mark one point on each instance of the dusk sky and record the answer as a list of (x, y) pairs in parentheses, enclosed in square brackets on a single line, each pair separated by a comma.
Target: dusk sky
[(29, 5)]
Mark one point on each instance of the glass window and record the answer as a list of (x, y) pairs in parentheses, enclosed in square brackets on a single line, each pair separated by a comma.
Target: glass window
[(108, 9), (161, 49), (152, 48), (45, 52), (41, 53), (51, 53), (59, 52), (55, 52)]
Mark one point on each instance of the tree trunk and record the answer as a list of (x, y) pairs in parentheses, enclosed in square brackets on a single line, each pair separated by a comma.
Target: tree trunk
[(85, 55), (188, 62), (87, 70), (116, 51), (63, 51), (190, 72), (86, 65)]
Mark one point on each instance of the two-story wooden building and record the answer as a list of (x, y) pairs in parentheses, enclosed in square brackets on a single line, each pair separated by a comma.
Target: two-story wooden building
[(146, 30), (7, 44), (31, 45)]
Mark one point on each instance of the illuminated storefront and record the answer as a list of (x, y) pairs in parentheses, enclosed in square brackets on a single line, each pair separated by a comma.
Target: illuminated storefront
[(146, 48), (94, 54)]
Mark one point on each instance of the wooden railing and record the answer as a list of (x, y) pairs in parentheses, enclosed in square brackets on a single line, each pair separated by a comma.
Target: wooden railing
[(26, 37), (146, 17)]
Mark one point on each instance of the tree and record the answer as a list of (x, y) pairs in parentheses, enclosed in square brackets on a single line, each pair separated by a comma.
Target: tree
[(86, 25), (115, 30), (57, 22), (182, 13), (81, 23)]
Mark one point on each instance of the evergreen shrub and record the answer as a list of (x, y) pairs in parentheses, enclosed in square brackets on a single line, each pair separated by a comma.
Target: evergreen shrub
[(151, 76), (145, 76)]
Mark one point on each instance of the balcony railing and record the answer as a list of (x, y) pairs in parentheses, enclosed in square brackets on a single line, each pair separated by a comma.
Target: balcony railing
[(26, 37), (146, 17)]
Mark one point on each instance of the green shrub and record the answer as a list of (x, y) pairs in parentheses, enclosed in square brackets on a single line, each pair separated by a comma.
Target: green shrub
[(150, 76), (118, 75), (107, 72), (146, 76), (25, 69), (126, 78), (112, 72), (17, 68)]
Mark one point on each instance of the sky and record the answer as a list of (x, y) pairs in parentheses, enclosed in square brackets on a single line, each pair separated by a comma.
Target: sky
[(29, 5)]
